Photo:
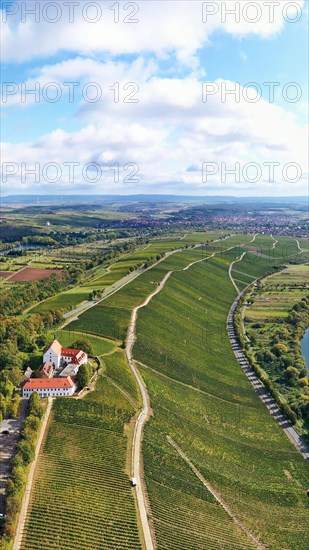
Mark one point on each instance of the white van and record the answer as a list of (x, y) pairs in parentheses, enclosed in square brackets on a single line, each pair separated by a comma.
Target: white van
[(133, 482)]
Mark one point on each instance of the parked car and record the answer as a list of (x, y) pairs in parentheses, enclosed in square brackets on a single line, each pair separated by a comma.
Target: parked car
[(133, 482)]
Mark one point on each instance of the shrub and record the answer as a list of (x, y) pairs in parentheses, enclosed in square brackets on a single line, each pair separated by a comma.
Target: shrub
[(83, 376)]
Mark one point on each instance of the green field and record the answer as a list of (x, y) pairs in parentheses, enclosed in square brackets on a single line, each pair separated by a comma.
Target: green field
[(203, 400), (65, 301), (110, 318), (200, 397), (262, 257), (118, 270), (82, 497), (119, 372)]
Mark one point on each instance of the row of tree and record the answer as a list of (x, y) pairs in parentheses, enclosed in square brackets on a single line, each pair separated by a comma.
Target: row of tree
[(24, 456)]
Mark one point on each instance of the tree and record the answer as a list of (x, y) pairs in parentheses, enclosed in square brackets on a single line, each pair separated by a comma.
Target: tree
[(34, 405), (32, 422), (13, 407), (19, 477), (84, 344), (9, 356), (83, 376), (27, 451), (15, 375), (280, 349)]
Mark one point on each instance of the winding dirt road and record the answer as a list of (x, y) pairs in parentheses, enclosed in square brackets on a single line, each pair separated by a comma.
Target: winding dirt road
[(141, 420), (145, 411)]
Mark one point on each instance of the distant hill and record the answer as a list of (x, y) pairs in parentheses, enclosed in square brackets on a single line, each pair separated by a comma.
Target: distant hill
[(88, 199)]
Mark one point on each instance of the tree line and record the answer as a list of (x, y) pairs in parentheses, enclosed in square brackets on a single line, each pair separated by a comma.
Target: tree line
[(25, 454)]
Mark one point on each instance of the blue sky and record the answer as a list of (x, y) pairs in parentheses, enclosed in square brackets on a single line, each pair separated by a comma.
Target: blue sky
[(169, 134)]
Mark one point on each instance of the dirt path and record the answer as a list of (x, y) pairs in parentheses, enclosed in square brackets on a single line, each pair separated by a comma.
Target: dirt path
[(27, 494), (239, 260), (141, 420), (299, 247), (216, 495), (275, 241), (230, 271), (137, 471)]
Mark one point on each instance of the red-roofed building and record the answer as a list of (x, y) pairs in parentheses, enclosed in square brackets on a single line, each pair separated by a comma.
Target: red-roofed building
[(47, 370), (50, 387), (60, 357)]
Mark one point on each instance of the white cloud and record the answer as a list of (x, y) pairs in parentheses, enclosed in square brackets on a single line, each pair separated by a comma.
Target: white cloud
[(163, 26), (170, 132), (169, 135)]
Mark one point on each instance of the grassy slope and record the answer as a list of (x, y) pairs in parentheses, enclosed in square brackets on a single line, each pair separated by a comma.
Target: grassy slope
[(100, 346), (226, 431)]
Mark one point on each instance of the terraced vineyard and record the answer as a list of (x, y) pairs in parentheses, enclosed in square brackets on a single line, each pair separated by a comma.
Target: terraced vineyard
[(82, 497), (119, 269), (193, 523), (203, 400), (263, 255), (110, 318)]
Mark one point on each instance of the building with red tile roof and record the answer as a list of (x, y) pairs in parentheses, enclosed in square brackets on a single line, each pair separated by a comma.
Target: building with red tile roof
[(50, 387), (47, 370), (60, 357)]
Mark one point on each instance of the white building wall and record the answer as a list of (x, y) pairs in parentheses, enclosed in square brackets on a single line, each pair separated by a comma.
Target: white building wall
[(51, 357), (51, 392)]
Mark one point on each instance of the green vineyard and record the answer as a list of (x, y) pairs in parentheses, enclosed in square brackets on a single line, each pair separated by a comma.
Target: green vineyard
[(203, 400), (82, 497)]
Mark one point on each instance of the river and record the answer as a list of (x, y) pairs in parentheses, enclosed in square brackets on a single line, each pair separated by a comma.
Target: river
[(305, 347)]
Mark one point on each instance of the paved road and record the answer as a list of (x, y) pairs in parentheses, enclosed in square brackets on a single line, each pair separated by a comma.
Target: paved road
[(26, 499), (110, 290), (258, 386)]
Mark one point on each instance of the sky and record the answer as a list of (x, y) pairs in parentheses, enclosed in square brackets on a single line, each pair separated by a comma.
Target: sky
[(181, 97)]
